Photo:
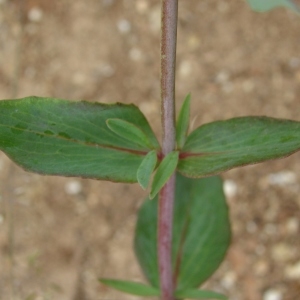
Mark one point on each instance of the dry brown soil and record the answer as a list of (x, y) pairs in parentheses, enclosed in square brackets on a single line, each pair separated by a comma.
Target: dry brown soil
[(59, 235)]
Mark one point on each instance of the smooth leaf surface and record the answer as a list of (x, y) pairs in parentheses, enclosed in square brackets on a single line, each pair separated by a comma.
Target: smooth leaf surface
[(146, 169), (265, 5), (60, 137), (130, 132), (222, 145), (183, 121), (199, 294), (201, 232), (164, 172), (130, 287)]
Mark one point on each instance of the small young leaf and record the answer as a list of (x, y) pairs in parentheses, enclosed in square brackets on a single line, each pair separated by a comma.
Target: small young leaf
[(182, 125), (130, 132), (219, 146), (133, 288), (265, 5), (146, 169), (164, 172), (199, 294)]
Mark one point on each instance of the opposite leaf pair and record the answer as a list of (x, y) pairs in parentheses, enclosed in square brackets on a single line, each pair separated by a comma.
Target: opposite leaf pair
[(115, 142)]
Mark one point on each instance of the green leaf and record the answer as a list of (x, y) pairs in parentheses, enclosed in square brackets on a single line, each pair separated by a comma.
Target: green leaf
[(182, 125), (222, 145), (146, 169), (201, 232), (265, 5), (164, 172), (133, 288), (130, 132), (199, 294), (60, 137)]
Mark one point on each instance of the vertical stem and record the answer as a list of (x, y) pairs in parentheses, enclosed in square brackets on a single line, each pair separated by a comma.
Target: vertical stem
[(167, 194)]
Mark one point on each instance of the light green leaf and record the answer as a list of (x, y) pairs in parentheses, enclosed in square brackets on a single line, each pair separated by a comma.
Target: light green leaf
[(60, 137), (265, 5), (146, 169), (130, 132), (199, 294), (219, 146), (164, 172), (183, 120), (201, 232), (130, 287)]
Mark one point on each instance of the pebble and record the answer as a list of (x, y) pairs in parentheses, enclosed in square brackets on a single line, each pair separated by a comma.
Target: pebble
[(272, 294), (282, 178), (135, 54), (229, 280), (292, 225), (185, 69), (1, 219), (282, 252), (73, 187), (35, 14), (141, 6), (230, 188), (222, 77), (293, 271), (124, 26)]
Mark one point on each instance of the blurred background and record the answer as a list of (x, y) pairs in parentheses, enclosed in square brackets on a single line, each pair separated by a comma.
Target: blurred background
[(59, 235)]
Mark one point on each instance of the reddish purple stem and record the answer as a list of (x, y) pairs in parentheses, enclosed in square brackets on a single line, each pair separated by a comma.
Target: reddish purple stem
[(167, 194)]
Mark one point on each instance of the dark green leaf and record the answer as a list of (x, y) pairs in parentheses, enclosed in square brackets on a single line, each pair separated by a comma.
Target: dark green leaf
[(183, 120), (264, 5), (201, 232), (164, 172), (146, 169), (219, 146), (133, 288), (130, 132), (199, 294), (59, 137)]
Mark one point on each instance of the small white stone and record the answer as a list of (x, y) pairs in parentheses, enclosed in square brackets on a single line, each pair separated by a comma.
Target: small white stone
[(79, 78), (272, 295), (1, 219), (293, 271), (292, 225), (104, 70), (185, 69), (228, 280), (230, 188), (141, 6), (135, 54), (282, 178), (35, 14), (124, 26), (73, 187), (282, 252), (222, 77)]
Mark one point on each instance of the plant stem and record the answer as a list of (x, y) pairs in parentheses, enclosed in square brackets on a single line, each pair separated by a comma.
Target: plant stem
[(167, 194)]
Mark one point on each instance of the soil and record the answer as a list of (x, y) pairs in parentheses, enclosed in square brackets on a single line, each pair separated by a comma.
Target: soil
[(59, 235)]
